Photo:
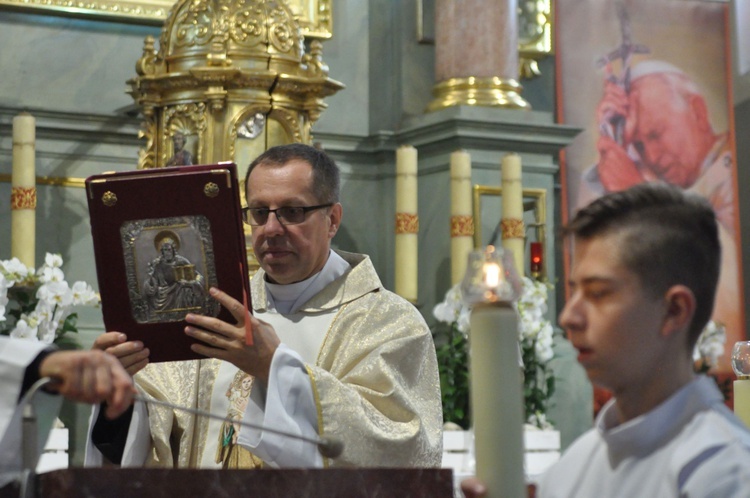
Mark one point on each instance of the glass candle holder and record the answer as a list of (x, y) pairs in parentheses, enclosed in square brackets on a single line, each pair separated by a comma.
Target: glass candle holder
[(490, 277), (741, 359)]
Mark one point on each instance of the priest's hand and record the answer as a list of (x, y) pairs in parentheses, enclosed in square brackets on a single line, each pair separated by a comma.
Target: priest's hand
[(132, 354), (226, 341), (89, 377), (474, 488)]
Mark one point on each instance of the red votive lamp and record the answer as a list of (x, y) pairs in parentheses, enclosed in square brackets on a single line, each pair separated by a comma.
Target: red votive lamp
[(537, 259)]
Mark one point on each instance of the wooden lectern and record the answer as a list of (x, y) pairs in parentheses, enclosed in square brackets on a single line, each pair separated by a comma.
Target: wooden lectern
[(147, 483)]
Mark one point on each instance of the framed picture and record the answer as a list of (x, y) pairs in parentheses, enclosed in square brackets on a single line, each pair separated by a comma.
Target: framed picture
[(651, 57), (487, 210)]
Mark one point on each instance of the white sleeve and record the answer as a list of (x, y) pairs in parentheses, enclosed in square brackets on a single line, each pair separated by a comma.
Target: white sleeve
[(15, 356), (720, 472), (137, 444), (288, 405)]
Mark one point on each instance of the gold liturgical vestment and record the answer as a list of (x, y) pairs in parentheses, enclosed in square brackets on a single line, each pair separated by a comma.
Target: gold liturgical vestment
[(375, 383)]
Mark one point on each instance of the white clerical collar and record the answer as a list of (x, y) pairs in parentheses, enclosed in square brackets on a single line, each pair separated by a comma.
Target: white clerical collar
[(287, 299)]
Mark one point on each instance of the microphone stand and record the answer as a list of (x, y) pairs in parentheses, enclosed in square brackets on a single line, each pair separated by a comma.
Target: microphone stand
[(327, 446), (29, 440)]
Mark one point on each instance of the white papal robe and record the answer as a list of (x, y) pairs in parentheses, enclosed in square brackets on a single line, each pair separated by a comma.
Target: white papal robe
[(357, 363)]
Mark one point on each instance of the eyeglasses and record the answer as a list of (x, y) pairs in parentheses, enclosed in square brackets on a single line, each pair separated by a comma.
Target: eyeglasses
[(287, 215)]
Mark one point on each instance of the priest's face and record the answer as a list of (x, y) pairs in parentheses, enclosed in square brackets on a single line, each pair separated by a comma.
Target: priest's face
[(290, 253), (611, 320)]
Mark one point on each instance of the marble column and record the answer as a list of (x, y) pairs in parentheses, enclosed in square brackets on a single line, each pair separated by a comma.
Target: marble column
[(476, 54)]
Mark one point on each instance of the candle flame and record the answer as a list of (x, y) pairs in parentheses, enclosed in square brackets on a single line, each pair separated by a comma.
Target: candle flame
[(492, 275)]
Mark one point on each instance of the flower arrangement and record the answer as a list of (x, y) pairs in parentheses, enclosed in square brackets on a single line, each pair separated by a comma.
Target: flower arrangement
[(36, 305), (709, 347), (707, 351), (535, 334)]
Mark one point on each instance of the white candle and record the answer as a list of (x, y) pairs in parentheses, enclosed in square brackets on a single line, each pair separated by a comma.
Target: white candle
[(496, 399), (462, 221), (742, 400), (512, 204), (23, 190), (407, 223)]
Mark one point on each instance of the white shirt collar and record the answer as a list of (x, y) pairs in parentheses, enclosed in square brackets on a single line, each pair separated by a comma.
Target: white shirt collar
[(287, 299)]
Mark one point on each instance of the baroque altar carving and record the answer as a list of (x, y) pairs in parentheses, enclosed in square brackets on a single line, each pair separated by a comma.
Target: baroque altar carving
[(233, 78)]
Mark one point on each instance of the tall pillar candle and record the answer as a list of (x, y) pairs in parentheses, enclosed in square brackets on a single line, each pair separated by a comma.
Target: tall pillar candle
[(462, 221), (496, 399), (742, 399), (407, 223), (23, 190), (511, 222), (741, 367)]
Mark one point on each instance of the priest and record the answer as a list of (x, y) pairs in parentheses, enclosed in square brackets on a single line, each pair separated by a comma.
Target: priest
[(334, 354)]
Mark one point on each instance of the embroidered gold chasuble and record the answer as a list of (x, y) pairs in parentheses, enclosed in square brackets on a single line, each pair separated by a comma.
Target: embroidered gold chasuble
[(375, 383)]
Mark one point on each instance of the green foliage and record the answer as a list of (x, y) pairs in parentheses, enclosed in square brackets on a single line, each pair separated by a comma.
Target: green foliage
[(538, 384), (452, 354)]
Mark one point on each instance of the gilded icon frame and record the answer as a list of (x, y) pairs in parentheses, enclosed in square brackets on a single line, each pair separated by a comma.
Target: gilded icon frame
[(315, 16)]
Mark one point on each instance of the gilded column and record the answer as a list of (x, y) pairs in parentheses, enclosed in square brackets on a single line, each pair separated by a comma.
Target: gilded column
[(462, 221), (23, 190), (476, 54), (407, 223)]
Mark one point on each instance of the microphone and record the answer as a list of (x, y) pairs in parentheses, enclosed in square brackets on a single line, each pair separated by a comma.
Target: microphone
[(327, 446)]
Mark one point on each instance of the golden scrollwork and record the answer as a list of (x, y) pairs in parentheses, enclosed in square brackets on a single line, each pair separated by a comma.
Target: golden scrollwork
[(534, 35), (224, 66), (314, 16)]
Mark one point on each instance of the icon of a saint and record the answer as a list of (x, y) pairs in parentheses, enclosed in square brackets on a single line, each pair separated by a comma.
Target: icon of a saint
[(181, 156), (172, 282)]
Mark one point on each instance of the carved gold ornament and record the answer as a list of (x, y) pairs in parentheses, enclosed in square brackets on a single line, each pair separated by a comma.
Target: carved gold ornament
[(109, 198), (211, 190), (230, 76)]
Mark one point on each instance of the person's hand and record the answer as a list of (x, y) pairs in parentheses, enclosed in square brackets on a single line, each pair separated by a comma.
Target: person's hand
[(617, 171), (89, 377), (132, 354), (226, 341), (473, 488)]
